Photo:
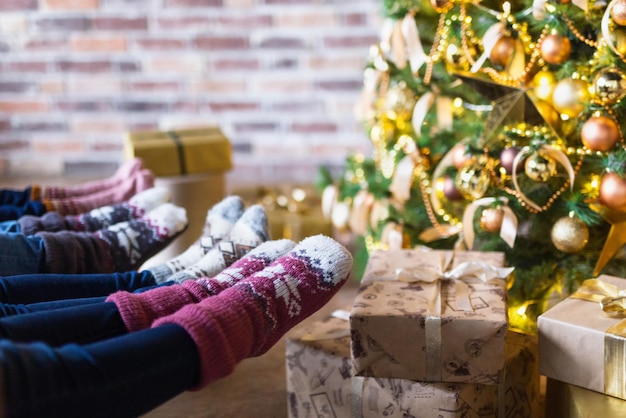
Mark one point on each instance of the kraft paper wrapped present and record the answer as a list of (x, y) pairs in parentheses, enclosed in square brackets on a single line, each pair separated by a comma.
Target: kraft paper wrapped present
[(582, 339), (569, 401), (181, 151), (429, 315), (321, 384)]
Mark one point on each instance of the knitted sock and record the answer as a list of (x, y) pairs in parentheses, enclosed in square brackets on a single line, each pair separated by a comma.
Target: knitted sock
[(247, 233), (219, 221), (125, 171), (248, 318), (122, 192), (96, 219), (132, 242), (139, 310)]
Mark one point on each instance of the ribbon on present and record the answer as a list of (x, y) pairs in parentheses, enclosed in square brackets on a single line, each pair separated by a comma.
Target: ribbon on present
[(462, 275), (612, 302)]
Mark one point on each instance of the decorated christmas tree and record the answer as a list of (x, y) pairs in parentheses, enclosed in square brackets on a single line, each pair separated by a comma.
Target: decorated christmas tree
[(495, 126)]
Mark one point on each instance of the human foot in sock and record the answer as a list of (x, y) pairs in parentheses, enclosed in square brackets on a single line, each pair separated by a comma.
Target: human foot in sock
[(131, 243), (247, 233), (248, 318), (139, 310), (96, 219), (122, 192), (220, 220), (125, 171)]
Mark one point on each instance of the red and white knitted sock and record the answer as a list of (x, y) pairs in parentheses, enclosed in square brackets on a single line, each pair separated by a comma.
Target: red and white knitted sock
[(139, 310), (220, 220), (131, 243), (122, 192), (125, 171), (249, 231), (247, 319)]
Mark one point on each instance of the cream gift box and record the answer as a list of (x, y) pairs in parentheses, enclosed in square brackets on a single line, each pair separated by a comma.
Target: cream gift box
[(408, 324), (181, 151), (320, 382), (581, 345)]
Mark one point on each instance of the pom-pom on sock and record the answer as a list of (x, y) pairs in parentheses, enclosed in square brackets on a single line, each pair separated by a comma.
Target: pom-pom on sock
[(139, 310), (220, 220), (125, 171), (131, 243), (246, 319), (122, 192), (247, 233)]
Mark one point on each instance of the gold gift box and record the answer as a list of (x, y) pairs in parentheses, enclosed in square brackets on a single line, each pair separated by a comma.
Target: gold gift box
[(569, 401), (181, 152), (321, 382)]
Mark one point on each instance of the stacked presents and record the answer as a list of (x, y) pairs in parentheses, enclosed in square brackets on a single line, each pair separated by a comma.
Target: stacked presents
[(426, 336)]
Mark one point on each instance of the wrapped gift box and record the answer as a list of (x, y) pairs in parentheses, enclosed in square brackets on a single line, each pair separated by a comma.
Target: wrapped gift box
[(395, 333), (581, 345), (569, 401), (182, 151), (320, 382)]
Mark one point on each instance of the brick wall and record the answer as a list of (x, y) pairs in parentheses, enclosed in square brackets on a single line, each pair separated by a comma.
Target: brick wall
[(279, 76)]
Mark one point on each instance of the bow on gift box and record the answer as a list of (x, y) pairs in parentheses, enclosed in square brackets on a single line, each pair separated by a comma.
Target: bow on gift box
[(611, 298)]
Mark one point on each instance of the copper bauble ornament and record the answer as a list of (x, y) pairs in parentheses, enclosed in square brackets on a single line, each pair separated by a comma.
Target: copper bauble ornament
[(570, 96), (507, 157), (555, 49), (569, 234), (540, 167), (599, 133), (613, 192), (618, 12), (609, 85), (502, 51), (449, 189), (491, 219), (441, 5), (473, 180)]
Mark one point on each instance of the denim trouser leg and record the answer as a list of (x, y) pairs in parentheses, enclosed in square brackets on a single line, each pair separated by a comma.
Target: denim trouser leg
[(12, 309), (33, 288), (14, 196), (9, 226), (21, 254), (121, 377), (78, 324), (14, 212)]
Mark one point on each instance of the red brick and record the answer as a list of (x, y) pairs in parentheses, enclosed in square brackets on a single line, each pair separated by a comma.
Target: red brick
[(23, 106), (339, 85), (98, 44), (83, 105), (243, 22), (13, 145), (57, 146), (193, 3), (70, 4), (108, 124), (62, 23), (236, 64), (42, 126), (304, 20), (28, 66), (355, 19), (5, 124), (221, 42), (161, 44), (14, 5), (148, 86), (350, 41), (218, 86), (120, 23), (315, 127), (301, 106), (46, 44), (335, 63), (182, 22), (224, 106), (256, 127), (142, 106), (84, 66), (290, 1), (278, 42), (105, 146), (16, 86), (286, 85)]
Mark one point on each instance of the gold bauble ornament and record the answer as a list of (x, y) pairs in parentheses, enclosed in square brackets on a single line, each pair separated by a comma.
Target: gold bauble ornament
[(599, 133), (570, 96), (399, 102), (555, 49), (618, 12), (502, 51), (383, 132), (618, 36), (491, 219), (456, 58), (540, 167), (613, 192), (609, 85), (473, 180), (543, 84), (569, 234)]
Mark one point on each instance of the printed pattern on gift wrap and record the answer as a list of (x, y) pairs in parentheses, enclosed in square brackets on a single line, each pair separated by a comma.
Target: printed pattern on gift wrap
[(388, 321)]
